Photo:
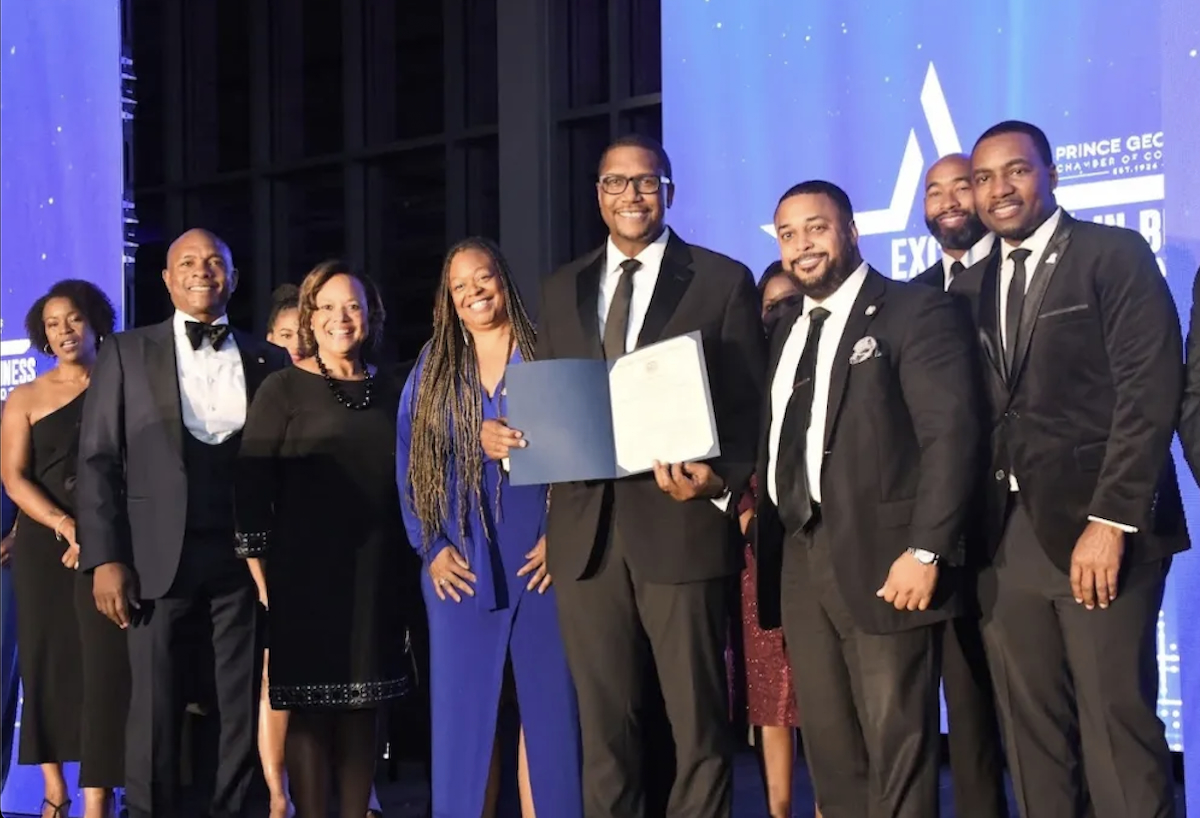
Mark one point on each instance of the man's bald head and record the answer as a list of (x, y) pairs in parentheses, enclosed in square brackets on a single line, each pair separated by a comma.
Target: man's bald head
[(950, 205), (200, 275)]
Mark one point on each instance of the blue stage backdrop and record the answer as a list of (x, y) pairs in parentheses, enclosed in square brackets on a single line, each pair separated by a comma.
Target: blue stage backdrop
[(61, 186), (760, 95)]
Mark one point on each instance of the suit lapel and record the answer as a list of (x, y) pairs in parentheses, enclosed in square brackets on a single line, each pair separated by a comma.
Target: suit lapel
[(163, 373), (866, 307), (989, 316), (778, 339), (587, 300), (254, 363), (673, 279), (1036, 294)]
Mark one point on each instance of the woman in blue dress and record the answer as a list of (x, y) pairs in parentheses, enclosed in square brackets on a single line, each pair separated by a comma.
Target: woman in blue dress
[(494, 638)]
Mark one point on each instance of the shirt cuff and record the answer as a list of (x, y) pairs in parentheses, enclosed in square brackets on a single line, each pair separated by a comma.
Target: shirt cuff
[(1128, 529), (722, 502)]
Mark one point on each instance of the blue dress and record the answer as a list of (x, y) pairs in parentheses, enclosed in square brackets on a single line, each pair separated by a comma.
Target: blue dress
[(471, 641)]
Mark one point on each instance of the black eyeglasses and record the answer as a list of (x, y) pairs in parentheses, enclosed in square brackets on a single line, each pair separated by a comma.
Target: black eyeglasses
[(646, 185)]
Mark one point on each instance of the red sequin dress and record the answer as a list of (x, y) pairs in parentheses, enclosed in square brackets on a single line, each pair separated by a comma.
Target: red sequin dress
[(769, 695)]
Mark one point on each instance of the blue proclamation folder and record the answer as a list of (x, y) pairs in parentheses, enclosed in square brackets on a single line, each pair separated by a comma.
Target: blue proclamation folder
[(565, 410)]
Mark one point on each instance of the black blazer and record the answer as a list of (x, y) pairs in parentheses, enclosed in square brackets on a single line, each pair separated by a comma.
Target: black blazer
[(1086, 419), (934, 276), (131, 486), (901, 452), (1189, 419), (666, 541)]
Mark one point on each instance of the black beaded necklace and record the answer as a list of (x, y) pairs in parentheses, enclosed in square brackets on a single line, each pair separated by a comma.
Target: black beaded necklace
[(340, 394)]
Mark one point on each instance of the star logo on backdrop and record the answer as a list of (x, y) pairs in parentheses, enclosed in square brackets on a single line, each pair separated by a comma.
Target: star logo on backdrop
[(896, 217)]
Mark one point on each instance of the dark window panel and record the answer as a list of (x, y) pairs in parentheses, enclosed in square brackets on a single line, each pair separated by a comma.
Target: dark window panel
[(233, 84), (585, 140), (321, 77), (150, 300), (226, 211), (483, 187), (404, 72), (644, 121), (645, 47), (311, 225), (480, 56), (586, 58), (148, 123), (407, 193)]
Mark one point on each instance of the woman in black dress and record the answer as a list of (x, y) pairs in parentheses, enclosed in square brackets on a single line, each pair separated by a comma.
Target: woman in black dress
[(74, 665), (316, 499)]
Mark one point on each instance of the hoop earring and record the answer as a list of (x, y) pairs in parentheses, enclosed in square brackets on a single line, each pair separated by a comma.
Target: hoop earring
[(47, 351)]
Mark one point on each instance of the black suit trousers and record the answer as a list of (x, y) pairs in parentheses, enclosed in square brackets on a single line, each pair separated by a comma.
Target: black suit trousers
[(1077, 689), (617, 629), (976, 752), (869, 702), (213, 584)]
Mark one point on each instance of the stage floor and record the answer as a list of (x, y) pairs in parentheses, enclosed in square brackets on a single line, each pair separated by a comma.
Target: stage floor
[(408, 797)]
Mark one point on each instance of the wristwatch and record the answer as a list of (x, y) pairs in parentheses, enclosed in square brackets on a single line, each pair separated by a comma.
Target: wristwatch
[(924, 557)]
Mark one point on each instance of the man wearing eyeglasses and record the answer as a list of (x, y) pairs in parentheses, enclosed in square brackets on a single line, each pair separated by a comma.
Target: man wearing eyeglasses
[(641, 564)]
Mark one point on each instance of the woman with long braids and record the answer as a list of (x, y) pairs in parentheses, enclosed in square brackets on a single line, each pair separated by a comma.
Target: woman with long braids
[(494, 639), (74, 661), (316, 500)]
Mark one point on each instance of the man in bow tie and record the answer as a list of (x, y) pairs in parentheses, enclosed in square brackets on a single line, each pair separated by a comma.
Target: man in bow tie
[(868, 452), (161, 426)]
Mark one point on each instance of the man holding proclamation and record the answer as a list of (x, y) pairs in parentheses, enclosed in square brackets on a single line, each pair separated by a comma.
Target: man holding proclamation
[(866, 473), (162, 422), (642, 564)]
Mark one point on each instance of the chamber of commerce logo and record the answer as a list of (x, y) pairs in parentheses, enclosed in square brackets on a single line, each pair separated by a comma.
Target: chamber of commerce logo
[(1119, 171)]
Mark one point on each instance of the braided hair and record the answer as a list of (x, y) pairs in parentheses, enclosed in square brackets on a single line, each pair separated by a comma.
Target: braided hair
[(448, 411)]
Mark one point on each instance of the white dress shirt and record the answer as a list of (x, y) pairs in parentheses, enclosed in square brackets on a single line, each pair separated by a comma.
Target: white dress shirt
[(978, 252), (644, 281), (839, 305), (1036, 245), (212, 384)]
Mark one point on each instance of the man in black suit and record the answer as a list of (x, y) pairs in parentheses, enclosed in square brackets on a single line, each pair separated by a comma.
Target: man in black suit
[(952, 221), (642, 564), (1189, 417), (976, 752), (161, 426), (1082, 360), (868, 452)]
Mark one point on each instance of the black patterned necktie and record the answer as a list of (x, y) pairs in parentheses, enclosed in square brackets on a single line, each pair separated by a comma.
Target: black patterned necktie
[(616, 325), (791, 465), (197, 332), (1016, 303)]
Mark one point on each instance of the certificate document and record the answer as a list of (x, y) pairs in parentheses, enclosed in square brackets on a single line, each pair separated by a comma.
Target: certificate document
[(595, 420)]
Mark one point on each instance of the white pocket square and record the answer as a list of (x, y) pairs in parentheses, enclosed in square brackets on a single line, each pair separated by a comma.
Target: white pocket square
[(865, 348)]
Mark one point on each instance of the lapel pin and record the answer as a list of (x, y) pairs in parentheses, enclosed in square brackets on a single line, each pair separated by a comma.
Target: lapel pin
[(1053, 258), (871, 310), (262, 360)]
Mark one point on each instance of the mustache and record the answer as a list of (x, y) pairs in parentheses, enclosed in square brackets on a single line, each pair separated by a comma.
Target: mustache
[(1003, 203)]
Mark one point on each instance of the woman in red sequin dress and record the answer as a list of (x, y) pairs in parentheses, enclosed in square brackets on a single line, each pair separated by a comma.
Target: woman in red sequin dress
[(766, 674)]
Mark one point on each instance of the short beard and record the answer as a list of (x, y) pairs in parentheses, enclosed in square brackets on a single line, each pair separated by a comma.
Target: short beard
[(962, 239), (835, 274)]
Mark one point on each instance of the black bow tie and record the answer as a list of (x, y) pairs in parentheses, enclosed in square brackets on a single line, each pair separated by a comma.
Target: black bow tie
[(197, 332)]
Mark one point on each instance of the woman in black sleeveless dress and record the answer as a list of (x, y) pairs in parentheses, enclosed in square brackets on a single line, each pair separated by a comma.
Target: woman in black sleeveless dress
[(74, 665)]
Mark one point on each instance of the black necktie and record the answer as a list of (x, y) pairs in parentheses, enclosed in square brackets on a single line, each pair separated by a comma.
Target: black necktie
[(616, 325), (956, 268), (197, 332), (791, 470), (1016, 302)]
